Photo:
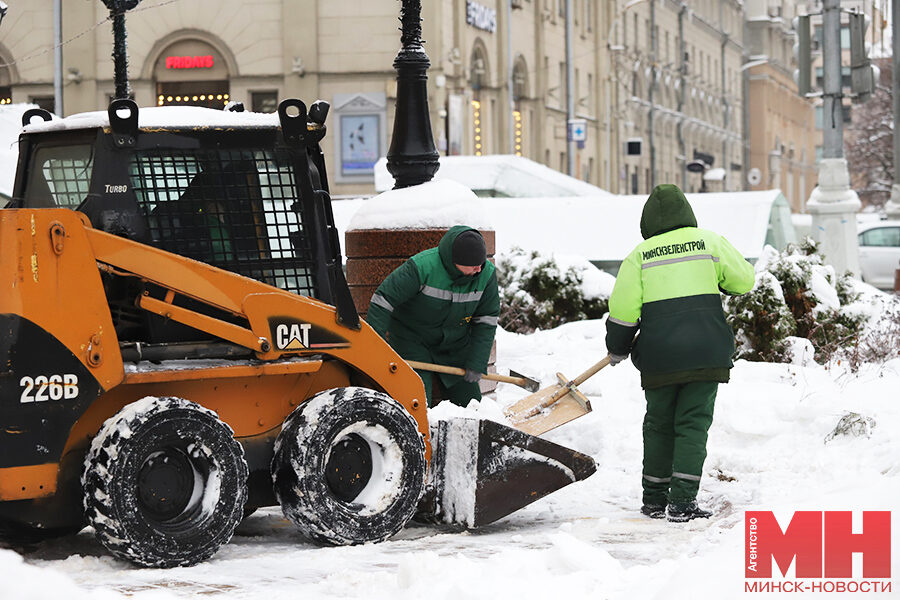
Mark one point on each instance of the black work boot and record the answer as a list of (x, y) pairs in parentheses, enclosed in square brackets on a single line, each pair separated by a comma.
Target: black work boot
[(680, 513), (654, 510)]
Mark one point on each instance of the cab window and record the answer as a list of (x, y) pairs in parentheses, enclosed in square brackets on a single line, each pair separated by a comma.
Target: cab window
[(59, 176)]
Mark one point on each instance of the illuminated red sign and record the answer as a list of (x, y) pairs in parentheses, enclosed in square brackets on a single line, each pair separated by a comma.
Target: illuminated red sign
[(189, 62)]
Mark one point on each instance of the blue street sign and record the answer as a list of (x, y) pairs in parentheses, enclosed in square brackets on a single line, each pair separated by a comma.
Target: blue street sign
[(577, 130)]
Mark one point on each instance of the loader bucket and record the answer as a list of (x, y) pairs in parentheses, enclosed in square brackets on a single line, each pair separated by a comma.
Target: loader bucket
[(482, 471)]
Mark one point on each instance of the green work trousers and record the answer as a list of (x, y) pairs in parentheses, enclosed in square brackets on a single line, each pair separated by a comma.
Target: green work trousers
[(675, 431), (459, 393)]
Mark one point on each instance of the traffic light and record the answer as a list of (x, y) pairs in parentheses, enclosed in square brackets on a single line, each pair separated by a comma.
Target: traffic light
[(803, 54), (862, 72)]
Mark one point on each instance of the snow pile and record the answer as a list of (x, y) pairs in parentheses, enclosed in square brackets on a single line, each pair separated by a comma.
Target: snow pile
[(597, 228), (432, 205), (500, 175), (22, 581), (486, 408)]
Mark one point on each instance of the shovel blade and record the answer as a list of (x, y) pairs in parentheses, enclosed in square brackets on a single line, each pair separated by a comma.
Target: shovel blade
[(572, 405), (482, 471)]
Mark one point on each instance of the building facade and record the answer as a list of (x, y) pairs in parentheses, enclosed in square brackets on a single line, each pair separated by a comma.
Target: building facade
[(678, 97), (781, 147), (261, 52), (660, 87)]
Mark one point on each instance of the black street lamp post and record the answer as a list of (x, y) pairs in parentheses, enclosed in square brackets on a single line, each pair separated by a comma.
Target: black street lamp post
[(412, 158), (117, 9)]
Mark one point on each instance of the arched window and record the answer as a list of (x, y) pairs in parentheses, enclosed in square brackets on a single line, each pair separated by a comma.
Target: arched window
[(479, 72), (520, 81)]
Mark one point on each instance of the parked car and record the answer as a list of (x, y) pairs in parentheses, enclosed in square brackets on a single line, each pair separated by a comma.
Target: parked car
[(879, 252)]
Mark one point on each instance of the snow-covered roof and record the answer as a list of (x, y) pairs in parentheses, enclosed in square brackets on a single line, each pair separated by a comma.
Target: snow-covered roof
[(501, 174), (600, 228), (163, 117)]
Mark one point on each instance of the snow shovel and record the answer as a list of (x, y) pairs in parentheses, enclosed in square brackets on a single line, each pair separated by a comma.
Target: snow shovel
[(518, 379), (554, 405)]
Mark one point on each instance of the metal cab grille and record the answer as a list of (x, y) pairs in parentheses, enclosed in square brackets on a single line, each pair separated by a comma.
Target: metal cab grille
[(233, 209)]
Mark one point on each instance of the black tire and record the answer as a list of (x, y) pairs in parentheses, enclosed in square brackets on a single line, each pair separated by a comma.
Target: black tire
[(165, 483), (349, 466)]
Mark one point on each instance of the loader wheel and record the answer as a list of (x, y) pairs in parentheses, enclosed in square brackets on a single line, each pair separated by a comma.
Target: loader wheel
[(165, 483), (349, 466)]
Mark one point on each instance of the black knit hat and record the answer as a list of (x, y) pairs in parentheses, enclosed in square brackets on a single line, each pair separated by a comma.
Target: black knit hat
[(469, 249)]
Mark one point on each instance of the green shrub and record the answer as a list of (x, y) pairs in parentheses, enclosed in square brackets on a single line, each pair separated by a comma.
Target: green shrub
[(536, 292), (795, 295)]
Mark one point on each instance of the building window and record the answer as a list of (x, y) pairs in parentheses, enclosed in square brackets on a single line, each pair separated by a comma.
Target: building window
[(846, 115), (48, 103), (264, 102), (562, 85), (478, 75)]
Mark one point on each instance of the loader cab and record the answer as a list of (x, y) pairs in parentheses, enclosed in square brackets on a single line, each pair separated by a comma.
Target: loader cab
[(230, 189)]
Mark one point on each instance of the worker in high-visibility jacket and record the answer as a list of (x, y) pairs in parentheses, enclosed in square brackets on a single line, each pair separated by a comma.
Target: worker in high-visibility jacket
[(442, 306), (668, 289)]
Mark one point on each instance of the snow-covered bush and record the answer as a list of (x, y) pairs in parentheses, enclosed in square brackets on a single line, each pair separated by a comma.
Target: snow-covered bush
[(880, 341), (542, 292), (796, 295)]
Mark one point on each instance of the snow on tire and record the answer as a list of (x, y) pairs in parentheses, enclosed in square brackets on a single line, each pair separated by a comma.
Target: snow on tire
[(349, 466), (164, 483)]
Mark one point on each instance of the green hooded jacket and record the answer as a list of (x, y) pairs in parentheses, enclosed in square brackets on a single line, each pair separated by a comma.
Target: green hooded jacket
[(668, 288), (429, 311)]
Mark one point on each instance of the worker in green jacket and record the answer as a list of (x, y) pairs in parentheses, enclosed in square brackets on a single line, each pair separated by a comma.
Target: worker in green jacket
[(668, 288), (441, 306)]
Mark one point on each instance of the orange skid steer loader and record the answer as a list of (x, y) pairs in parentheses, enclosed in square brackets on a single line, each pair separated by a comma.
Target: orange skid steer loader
[(178, 347)]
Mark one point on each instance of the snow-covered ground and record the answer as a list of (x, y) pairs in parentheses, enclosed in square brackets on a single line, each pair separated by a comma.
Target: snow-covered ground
[(767, 451)]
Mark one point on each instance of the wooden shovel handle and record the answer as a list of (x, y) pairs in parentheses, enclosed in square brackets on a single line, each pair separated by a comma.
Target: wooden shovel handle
[(424, 366), (555, 396)]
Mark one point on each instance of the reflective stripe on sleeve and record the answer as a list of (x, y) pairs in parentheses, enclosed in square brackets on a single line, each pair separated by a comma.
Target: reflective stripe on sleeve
[(448, 295), (621, 322), (381, 301), (488, 320)]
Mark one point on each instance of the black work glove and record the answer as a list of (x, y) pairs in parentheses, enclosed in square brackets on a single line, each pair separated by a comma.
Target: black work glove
[(615, 359), (471, 376)]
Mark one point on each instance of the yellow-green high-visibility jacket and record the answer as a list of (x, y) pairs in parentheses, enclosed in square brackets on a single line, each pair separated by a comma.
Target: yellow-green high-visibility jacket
[(668, 288)]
